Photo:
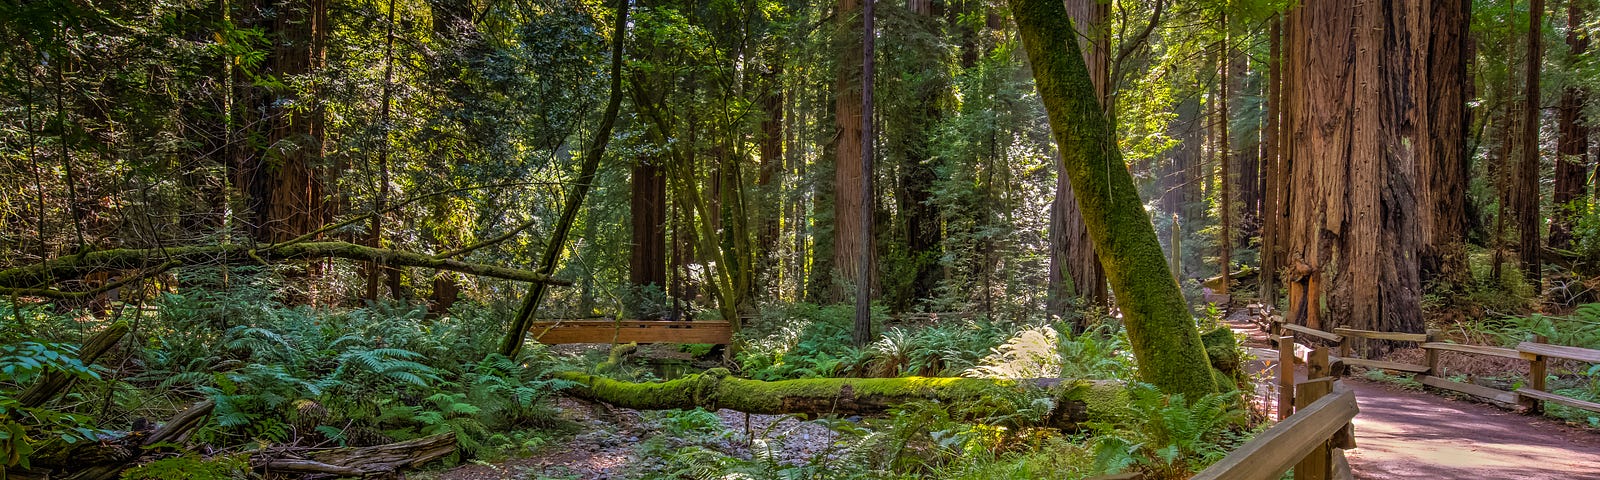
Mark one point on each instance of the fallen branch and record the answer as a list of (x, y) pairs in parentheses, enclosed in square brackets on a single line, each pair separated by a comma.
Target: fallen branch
[(364, 461), (54, 382), (1077, 401), (75, 266)]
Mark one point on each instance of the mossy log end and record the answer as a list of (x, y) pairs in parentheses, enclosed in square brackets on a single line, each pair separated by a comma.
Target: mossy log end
[(1160, 328), (1077, 401), (76, 266)]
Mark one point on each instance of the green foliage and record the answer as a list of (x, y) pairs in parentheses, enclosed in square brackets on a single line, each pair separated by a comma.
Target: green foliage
[(192, 467), (1173, 438), (23, 428)]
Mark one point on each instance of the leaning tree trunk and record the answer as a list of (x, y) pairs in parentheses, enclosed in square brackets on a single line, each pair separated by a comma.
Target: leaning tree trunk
[(1164, 341), (512, 344)]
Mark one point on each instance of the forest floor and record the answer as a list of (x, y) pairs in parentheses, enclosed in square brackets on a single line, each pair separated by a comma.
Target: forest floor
[(1405, 434)]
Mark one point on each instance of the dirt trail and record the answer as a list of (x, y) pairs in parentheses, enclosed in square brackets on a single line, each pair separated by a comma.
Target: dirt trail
[(1403, 435)]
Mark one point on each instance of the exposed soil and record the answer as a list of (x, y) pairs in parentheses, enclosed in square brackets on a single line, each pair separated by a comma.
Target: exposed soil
[(1403, 434)]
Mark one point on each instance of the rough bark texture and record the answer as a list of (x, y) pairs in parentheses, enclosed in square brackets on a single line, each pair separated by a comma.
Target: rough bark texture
[(1571, 182), (848, 196), (647, 205), (1164, 341), (1529, 222), (285, 184), (1078, 401), (1442, 160), (365, 461), (1353, 226), (1074, 270)]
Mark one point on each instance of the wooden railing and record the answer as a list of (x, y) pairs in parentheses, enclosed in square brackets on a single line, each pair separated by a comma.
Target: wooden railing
[(1311, 441), (1537, 354)]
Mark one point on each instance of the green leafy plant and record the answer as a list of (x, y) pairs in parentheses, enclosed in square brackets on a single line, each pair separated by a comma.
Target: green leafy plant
[(1172, 438)]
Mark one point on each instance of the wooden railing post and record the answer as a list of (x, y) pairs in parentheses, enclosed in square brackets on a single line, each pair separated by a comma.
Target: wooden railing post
[(1285, 377), (1317, 465), (1432, 355), (1536, 374)]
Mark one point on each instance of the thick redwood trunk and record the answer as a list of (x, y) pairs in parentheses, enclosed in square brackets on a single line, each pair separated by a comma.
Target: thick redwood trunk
[(1442, 160), (1074, 269), (647, 262), (1352, 202), (848, 196), (285, 184), (1571, 182)]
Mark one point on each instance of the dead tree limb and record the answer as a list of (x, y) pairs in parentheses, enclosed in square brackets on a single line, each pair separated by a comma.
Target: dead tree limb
[(53, 383), (364, 461)]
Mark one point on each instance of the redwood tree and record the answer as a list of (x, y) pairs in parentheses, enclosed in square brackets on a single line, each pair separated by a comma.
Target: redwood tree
[(1352, 203)]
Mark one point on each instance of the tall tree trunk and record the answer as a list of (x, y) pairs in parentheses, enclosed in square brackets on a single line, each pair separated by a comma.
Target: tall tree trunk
[(511, 345), (1161, 332), (919, 175), (849, 250), (1528, 219), (1225, 243), (1352, 204), (1271, 174), (862, 334), (375, 270), (1442, 160), (286, 185), (1074, 269), (1571, 182), (769, 181), (647, 206)]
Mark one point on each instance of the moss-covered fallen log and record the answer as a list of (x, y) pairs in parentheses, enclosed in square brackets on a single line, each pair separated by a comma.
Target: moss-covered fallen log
[(1077, 401), (76, 266)]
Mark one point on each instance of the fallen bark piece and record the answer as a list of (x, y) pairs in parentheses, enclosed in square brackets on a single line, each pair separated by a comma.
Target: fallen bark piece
[(364, 461), (1077, 401)]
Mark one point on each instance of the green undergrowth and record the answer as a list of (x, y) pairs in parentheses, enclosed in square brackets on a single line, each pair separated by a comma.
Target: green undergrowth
[(284, 375)]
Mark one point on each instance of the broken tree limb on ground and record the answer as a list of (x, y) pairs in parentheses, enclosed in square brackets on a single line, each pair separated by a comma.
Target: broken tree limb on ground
[(75, 266), (55, 382), (1077, 401), (364, 461)]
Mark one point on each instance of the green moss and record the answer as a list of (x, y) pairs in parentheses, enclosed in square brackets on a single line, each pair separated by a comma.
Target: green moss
[(1161, 332)]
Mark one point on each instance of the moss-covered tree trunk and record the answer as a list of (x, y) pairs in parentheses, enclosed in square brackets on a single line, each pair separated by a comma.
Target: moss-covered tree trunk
[(1165, 343), (1077, 401)]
